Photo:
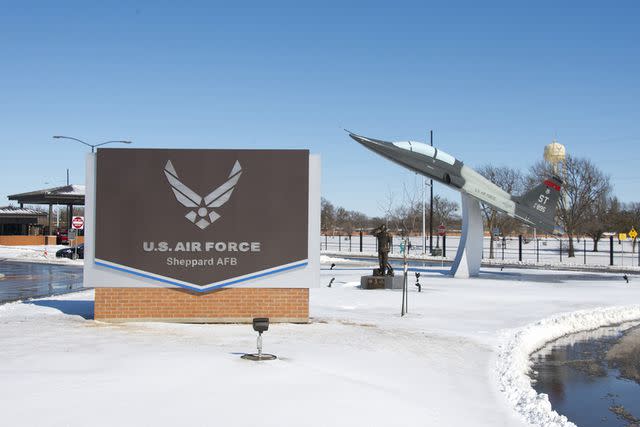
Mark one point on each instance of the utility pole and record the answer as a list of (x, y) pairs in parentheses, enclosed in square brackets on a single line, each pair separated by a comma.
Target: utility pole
[(424, 215), (431, 207)]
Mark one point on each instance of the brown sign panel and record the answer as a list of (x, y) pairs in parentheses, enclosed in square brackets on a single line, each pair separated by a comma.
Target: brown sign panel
[(201, 218)]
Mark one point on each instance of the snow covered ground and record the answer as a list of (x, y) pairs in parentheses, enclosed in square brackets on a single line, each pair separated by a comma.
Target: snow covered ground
[(457, 359), (36, 253)]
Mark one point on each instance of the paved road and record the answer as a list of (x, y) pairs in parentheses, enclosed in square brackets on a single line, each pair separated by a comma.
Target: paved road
[(19, 280)]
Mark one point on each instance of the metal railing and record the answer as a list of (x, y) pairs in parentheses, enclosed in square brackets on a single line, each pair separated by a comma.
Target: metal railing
[(541, 251)]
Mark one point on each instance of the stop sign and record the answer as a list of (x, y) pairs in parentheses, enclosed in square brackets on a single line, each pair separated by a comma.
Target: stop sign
[(77, 222), (442, 230)]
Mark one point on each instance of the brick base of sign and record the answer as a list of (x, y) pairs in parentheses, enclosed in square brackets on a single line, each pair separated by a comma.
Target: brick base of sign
[(231, 305)]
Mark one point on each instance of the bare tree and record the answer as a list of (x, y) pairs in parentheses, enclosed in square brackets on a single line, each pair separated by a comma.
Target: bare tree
[(601, 214), (511, 181), (409, 213), (387, 206), (343, 220), (634, 219), (327, 216), (359, 220), (584, 185), (624, 217), (634, 213), (444, 210)]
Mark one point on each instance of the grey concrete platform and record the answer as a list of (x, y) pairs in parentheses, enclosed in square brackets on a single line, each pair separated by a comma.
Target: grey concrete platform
[(381, 282)]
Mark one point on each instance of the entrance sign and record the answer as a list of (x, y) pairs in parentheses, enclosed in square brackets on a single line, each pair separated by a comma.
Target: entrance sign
[(77, 222), (202, 219)]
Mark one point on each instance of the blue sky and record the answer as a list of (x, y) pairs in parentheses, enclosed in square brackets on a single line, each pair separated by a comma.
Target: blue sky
[(496, 82)]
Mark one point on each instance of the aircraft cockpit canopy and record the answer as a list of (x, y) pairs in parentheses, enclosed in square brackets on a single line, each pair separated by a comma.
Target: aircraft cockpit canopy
[(445, 157), (418, 147), (427, 150)]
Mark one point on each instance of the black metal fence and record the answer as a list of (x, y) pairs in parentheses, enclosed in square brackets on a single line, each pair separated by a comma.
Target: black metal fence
[(610, 251)]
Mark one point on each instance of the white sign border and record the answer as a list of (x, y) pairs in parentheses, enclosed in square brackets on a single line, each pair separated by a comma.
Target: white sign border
[(300, 274)]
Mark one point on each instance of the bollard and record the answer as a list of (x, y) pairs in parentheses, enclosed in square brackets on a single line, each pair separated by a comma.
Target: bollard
[(610, 250), (349, 242), (520, 248), (444, 245), (560, 250), (339, 243), (360, 241), (584, 251), (537, 250), (325, 242)]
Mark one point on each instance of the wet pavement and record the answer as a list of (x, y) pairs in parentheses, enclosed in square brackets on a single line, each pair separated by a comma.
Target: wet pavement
[(21, 280), (592, 377)]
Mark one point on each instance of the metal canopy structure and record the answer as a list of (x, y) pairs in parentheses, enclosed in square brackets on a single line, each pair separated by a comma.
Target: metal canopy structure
[(69, 195), (65, 195)]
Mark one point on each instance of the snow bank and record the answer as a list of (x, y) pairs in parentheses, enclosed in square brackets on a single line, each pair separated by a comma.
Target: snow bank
[(36, 253), (513, 362)]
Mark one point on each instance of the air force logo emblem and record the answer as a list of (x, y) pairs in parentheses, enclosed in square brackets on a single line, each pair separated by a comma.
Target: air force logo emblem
[(202, 214)]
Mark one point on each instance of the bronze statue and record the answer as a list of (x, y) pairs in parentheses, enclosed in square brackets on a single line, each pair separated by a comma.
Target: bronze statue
[(385, 241)]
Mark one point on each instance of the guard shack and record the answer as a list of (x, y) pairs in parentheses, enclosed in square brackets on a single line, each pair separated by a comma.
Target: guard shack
[(21, 226), (67, 195)]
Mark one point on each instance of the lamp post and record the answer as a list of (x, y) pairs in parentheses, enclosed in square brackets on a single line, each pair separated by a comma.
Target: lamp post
[(424, 210), (93, 149), (431, 204), (93, 146), (424, 214)]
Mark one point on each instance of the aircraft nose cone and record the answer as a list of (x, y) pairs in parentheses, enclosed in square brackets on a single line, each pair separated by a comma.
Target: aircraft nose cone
[(373, 144), (361, 139)]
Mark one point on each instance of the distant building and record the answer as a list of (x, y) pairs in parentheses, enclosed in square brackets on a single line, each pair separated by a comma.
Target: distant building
[(67, 195), (18, 221)]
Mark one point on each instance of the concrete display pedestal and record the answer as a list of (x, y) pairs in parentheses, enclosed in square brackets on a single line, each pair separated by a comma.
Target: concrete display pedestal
[(381, 282), (469, 256)]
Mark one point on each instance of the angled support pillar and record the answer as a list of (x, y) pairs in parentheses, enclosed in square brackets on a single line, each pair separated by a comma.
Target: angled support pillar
[(469, 255)]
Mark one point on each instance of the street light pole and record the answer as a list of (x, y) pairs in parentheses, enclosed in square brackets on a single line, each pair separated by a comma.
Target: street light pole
[(431, 206), (93, 146), (424, 214)]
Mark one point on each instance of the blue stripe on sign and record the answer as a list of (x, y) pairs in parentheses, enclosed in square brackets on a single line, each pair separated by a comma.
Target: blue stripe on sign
[(195, 287)]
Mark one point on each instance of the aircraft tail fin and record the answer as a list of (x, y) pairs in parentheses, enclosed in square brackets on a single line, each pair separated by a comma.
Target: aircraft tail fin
[(538, 206)]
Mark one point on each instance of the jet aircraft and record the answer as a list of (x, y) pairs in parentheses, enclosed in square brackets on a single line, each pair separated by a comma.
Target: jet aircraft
[(536, 208)]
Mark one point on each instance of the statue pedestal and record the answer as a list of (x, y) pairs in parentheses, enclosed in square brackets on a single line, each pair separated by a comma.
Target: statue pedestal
[(381, 282)]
